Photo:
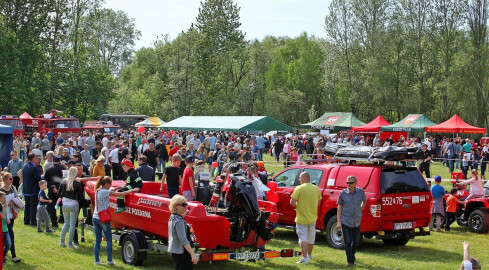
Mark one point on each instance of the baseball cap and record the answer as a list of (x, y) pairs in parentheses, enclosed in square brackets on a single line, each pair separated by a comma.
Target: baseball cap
[(437, 178), (190, 159), (56, 157)]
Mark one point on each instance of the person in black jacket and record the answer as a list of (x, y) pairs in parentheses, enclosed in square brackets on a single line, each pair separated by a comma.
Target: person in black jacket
[(278, 146), (152, 156), (162, 155), (146, 172), (54, 176), (133, 181), (71, 192), (133, 148)]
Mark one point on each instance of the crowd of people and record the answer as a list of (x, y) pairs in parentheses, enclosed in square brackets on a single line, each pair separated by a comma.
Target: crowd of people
[(49, 170)]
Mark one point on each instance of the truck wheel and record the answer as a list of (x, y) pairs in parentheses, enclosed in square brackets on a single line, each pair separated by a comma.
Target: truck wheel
[(401, 241), (129, 251), (334, 235), (479, 221)]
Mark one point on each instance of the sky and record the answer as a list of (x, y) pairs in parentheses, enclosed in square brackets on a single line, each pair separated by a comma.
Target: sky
[(259, 19)]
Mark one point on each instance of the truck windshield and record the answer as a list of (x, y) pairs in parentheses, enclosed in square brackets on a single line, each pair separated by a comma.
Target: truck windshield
[(16, 124), (402, 181), (67, 124)]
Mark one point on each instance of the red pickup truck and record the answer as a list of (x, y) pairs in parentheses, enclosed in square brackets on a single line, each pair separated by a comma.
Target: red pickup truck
[(398, 200)]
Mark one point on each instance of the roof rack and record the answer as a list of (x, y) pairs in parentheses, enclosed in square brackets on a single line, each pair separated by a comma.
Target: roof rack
[(369, 154)]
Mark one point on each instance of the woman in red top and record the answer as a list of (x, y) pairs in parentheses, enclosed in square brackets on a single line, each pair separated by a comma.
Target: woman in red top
[(293, 155)]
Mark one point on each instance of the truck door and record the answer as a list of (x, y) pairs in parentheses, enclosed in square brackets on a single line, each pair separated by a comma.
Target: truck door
[(286, 182)]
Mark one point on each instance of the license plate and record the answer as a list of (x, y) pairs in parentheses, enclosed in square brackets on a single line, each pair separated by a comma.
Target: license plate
[(248, 256), (403, 225)]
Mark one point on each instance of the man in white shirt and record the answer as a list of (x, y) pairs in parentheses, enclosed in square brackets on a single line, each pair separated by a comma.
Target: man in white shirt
[(106, 152), (104, 141), (116, 165), (143, 147), (80, 141), (428, 144), (196, 142), (189, 138), (485, 149)]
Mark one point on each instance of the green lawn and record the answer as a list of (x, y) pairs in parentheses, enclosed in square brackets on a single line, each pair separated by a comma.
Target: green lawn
[(437, 251)]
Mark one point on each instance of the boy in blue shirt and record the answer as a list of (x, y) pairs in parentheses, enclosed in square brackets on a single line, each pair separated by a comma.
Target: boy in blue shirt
[(42, 213), (438, 208)]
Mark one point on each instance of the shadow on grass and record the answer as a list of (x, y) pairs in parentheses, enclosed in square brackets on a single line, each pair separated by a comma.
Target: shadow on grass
[(406, 252), (21, 265)]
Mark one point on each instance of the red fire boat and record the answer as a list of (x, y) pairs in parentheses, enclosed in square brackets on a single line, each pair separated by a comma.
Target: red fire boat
[(242, 223)]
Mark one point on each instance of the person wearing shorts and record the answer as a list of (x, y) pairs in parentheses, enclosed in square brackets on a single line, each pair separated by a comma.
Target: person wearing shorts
[(305, 199)]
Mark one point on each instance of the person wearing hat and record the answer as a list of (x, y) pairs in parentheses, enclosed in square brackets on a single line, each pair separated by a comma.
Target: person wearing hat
[(53, 177), (438, 209), (188, 183), (133, 181)]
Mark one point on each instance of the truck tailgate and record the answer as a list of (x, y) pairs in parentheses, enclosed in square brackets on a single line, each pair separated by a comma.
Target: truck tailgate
[(406, 210)]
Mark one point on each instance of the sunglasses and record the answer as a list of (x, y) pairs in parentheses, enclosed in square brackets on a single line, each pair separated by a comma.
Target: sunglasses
[(350, 183), (12, 155), (183, 205)]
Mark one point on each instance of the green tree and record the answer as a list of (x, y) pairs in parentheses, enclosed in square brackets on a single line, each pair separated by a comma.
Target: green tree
[(340, 29), (416, 19), (477, 15), (220, 55), (448, 19), (110, 37)]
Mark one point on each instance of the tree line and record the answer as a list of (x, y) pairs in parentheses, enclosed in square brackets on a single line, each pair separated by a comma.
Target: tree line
[(375, 57), (62, 54)]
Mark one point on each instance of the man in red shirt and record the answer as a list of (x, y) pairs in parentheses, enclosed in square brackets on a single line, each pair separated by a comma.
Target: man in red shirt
[(188, 183)]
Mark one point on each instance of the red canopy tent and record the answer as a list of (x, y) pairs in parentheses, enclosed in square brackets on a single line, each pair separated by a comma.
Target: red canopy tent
[(455, 125), (25, 115), (373, 126)]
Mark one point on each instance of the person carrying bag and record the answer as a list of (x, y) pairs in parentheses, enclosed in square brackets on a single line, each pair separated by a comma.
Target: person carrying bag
[(101, 216)]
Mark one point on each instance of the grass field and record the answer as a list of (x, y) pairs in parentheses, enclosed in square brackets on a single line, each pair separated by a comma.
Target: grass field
[(437, 251)]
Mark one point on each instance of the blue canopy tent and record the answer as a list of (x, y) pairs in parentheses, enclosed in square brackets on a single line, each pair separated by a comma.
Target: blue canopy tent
[(6, 139)]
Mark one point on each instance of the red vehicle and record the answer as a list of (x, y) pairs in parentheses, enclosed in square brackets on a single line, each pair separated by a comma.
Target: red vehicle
[(474, 213), (13, 121), (398, 200), (221, 235), (44, 123), (101, 126)]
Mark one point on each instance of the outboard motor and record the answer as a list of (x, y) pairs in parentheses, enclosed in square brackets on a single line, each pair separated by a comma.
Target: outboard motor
[(245, 212)]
